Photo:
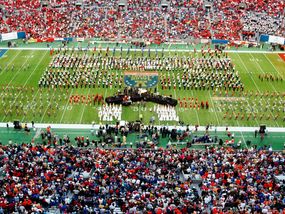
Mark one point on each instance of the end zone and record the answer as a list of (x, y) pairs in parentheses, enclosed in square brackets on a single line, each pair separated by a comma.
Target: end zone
[(2, 52), (282, 56)]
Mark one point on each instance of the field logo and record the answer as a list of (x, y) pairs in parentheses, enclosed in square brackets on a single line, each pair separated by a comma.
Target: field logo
[(141, 79), (282, 56), (2, 52)]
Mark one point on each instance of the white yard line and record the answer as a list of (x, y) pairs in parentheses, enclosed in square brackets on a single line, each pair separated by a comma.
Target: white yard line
[(240, 131), (196, 110), (273, 65), (47, 107), (254, 118), (34, 96), (11, 61), (214, 108), (19, 70), (26, 81), (84, 108), (65, 106), (35, 68), (249, 73), (254, 83), (236, 120), (263, 71)]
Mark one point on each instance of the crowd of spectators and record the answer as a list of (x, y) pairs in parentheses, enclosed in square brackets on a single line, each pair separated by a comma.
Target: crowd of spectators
[(248, 19), (74, 179), (259, 22), (148, 20)]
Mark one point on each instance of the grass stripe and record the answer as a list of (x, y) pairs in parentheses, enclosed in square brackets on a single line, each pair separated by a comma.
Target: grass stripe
[(261, 69), (253, 82), (84, 107), (196, 111), (214, 108), (85, 114), (15, 74), (272, 64), (47, 106), (11, 60), (26, 80), (65, 106)]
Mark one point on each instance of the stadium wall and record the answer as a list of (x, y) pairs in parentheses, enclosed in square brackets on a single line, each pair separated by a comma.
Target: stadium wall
[(272, 39), (12, 36), (96, 126)]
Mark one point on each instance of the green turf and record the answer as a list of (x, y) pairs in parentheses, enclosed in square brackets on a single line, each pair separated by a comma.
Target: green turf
[(276, 140), (104, 44), (29, 65)]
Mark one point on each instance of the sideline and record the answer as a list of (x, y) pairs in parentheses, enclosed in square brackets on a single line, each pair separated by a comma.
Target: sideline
[(96, 126), (151, 49)]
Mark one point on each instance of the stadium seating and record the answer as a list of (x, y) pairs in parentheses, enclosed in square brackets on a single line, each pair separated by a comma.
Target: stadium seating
[(232, 20), (71, 179), (108, 174)]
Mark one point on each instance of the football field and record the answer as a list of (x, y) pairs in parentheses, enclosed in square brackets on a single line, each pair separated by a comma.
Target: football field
[(261, 102)]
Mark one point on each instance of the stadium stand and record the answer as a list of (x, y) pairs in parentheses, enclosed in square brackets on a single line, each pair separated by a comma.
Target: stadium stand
[(111, 175), (70, 179), (148, 20)]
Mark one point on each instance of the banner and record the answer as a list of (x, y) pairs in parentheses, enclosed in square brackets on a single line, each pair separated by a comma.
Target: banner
[(219, 41), (21, 35), (276, 39), (45, 40), (9, 36), (58, 39), (264, 38), (141, 79), (79, 39), (205, 41), (12, 35), (69, 39), (272, 39)]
